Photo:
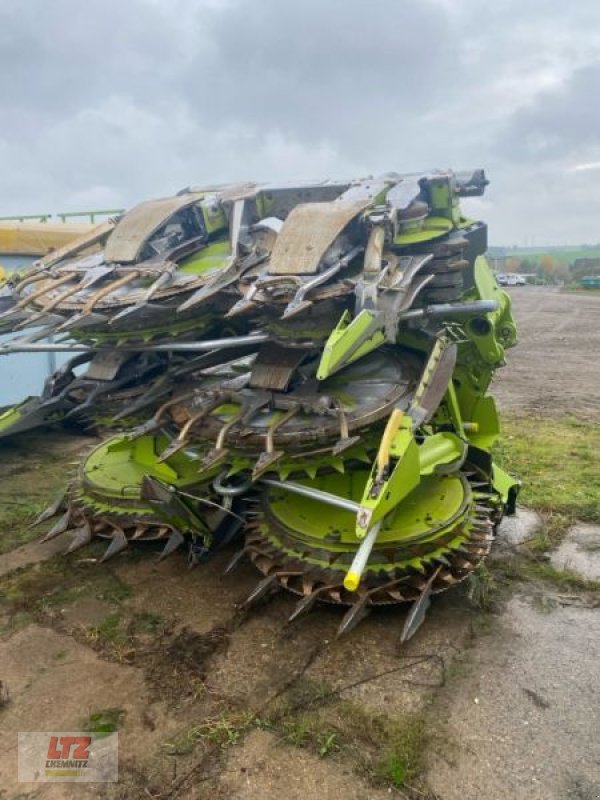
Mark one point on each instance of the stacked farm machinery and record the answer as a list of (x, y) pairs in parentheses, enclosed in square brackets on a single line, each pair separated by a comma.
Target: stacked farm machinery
[(299, 373)]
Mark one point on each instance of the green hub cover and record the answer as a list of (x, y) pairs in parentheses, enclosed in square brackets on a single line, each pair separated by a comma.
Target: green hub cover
[(424, 525)]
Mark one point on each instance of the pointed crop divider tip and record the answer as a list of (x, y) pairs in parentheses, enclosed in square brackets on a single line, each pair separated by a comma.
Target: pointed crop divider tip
[(118, 544), (127, 312), (262, 589), (418, 610), (49, 512), (171, 449), (355, 614), (175, 540), (213, 457), (306, 604), (82, 536), (60, 526), (235, 561)]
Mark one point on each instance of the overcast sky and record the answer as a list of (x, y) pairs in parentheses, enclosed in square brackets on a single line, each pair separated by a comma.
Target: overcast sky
[(107, 102)]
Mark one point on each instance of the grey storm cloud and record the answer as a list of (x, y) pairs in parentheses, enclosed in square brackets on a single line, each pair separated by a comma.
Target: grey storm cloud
[(561, 122), (107, 102), (326, 69)]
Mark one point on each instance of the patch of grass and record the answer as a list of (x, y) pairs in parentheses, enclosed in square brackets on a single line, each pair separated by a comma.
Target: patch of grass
[(388, 750), (223, 731), (482, 588), (145, 622), (550, 534), (514, 568), (306, 693), (16, 516), (105, 720), (558, 463), (46, 586), (308, 730), (32, 477), (119, 636), (109, 632), (60, 656), (562, 578)]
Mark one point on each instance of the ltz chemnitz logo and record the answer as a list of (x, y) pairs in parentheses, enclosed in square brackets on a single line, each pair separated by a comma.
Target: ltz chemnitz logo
[(68, 756)]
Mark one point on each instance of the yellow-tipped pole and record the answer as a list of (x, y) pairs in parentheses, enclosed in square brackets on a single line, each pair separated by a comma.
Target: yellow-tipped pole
[(354, 574)]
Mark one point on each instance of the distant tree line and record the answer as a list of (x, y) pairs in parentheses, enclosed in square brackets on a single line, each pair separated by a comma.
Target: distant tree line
[(547, 268)]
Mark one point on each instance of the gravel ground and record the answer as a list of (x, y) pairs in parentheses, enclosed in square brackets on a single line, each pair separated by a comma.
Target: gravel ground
[(555, 367)]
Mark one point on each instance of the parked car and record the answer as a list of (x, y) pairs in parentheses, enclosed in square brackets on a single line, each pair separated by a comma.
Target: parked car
[(510, 279)]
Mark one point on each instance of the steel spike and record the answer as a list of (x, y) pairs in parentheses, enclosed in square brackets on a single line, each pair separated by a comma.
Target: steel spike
[(416, 615), (306, 604), (126, 312), (174, 541), (263, 588), (117, 544), (51, 511), (60, 527), (82, 536), (235, 561), (355, 614)]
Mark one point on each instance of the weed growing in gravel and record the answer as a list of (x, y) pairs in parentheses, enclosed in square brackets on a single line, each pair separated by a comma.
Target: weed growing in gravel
[(514, 568), (223, 731), (481, 588), (550, 534), (105, 720), (385, 749)]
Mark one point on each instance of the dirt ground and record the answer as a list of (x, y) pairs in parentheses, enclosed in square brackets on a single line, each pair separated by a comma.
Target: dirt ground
[(212, 702), (555, 368)]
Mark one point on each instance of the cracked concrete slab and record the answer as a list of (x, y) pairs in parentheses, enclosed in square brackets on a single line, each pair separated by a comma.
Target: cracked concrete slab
[(580, 551), (523, 717)]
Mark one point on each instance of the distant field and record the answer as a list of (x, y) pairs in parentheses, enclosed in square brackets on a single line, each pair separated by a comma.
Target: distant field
[(559, 253)]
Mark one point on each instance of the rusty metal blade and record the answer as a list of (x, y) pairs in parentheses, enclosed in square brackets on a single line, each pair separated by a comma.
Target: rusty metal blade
[(50, 512), (263, 588), (117, 544), (82, 536), (355, 614), (416, 615), (234, 561), (174, 541), (60, 527)]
